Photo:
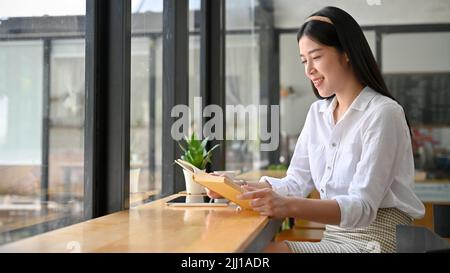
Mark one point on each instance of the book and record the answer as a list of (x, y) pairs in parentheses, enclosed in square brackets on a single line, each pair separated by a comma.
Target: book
[(223, 185), (188, 166)]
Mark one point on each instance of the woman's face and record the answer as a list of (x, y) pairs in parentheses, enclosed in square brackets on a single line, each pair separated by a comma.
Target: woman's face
[(325, 66)]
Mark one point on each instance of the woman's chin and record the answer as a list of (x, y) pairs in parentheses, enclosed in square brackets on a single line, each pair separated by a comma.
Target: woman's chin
[(325, 94)]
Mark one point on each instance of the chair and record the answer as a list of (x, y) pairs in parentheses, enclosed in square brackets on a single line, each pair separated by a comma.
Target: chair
[(414, 239), (442, 220)]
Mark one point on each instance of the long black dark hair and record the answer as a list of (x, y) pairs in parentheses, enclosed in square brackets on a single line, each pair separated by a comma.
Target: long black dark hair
[(347, 37)]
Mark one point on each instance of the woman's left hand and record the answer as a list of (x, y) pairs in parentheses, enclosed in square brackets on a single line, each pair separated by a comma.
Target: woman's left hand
[(267, 202)]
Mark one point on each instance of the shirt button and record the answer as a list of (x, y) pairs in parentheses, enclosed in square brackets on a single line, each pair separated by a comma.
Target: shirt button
[(329, 167), (333, 144), (321, 190)]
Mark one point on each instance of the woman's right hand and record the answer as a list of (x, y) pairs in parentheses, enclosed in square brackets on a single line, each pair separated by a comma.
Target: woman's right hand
[(212, 194)]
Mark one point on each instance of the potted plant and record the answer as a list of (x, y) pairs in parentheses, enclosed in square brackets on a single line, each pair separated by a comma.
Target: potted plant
[(196, 154)]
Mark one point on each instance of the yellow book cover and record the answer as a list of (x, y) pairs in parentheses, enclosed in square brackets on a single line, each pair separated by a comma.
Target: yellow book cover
[(223, 186)]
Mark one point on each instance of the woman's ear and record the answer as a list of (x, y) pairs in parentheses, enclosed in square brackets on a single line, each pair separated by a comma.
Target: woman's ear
[(346, 58)]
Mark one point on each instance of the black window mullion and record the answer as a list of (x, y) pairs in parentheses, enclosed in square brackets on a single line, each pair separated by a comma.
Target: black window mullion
[(175, 87), (379, 48), (107, 122), (268, 68), (212, 67), (152, 110), (274, 95), (45, 123), (94, 129), (119, 60)]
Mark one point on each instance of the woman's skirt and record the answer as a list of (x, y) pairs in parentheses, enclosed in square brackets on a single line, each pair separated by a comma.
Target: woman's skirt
[(379, 237)]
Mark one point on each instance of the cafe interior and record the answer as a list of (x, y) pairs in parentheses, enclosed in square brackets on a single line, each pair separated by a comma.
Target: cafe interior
[(99, 98)]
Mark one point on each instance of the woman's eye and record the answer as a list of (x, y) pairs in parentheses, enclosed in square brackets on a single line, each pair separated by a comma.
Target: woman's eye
[(303, 61), (316, 58)]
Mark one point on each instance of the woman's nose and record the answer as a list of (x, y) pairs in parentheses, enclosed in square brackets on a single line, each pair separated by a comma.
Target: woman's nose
[(310, 69)]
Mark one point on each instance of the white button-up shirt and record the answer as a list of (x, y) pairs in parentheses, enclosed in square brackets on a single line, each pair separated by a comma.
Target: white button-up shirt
[(364, 162)]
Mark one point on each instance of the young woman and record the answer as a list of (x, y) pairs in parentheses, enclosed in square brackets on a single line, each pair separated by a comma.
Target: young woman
[(355, 148)]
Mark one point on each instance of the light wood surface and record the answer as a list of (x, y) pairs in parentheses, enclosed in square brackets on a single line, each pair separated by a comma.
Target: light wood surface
[(138, 198), (153, 227), (26, 221)]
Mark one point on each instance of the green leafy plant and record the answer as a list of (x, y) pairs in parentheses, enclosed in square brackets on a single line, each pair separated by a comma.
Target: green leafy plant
[(195, 151), (277, 167)]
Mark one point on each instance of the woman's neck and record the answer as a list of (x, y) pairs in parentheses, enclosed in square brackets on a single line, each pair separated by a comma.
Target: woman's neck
[(345, 97)]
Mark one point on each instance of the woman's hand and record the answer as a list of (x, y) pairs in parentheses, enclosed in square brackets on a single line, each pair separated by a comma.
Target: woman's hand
[(267, 202), (214, 195)]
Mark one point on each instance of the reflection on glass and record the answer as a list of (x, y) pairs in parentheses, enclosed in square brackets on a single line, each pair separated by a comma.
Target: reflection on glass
[(146, 91), (421, 83), (41, 116), (242, 84), (146, 100), (194, 67)]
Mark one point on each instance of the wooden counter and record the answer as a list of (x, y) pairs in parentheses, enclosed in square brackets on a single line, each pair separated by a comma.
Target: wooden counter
[(154, 227)]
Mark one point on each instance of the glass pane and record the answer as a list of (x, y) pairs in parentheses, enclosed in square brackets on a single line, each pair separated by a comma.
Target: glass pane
[(241, 84), (421, 83), (146, 100), (295, 96), (42, 97), (194, 65)]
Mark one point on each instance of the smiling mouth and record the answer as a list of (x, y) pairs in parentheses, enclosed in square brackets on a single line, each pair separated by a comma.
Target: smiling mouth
[(318, 81)]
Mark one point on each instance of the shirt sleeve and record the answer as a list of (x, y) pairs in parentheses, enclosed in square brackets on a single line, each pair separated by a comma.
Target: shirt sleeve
[(298, 181), (383, 143)]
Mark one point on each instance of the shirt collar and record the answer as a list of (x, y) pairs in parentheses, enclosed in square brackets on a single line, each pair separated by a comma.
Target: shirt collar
[(326, 103), (363, 99), (360, 103)]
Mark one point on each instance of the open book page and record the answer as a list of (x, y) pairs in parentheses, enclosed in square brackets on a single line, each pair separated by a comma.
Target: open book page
[(188, 166), (223, 186)]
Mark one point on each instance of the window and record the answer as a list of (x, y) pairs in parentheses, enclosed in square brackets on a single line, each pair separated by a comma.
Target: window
[(241, 84), (42, 93), (421, 83), (194, 64), (146, 101), (146, 94)]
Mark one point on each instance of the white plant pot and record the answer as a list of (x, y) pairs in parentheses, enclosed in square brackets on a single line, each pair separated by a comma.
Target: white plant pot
[(134, 180), (192, 187)]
